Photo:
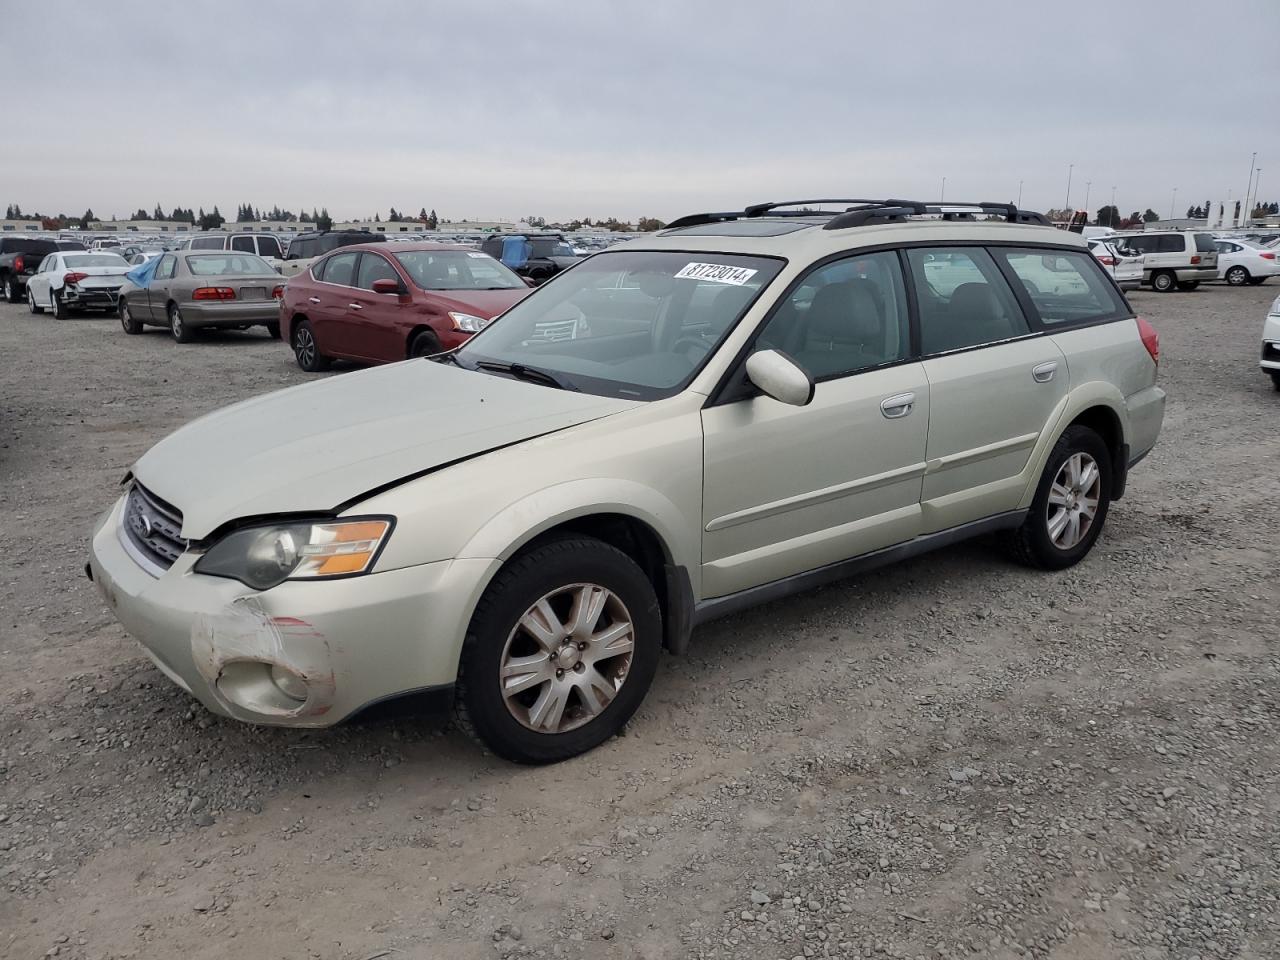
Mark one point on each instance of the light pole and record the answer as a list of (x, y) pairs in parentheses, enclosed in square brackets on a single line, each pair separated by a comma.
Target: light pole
[(1245, 203), (1173, 203), (1067, 205), (1113, 208), (944, 189), (1019, 193), (1088, 185)]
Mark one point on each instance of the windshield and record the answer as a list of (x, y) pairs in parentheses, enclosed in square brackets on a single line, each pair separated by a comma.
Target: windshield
[(228, 265), (549, 248), (632, 324), (95, 260), (457, 270)]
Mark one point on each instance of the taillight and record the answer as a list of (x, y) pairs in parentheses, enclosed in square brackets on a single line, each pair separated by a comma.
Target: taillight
[(1267, 256), (213, 293), (1107, 261), (73, 277), (278, 292), (1150, 339), (1195, 259), (18, 263)]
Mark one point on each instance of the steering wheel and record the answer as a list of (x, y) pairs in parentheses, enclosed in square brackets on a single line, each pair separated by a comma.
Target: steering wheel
[(696, 343)]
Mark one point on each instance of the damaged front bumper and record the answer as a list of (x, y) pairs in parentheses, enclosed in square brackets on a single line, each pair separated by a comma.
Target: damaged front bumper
[(305, 653)]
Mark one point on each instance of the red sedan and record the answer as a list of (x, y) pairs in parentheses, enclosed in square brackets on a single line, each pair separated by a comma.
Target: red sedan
[(382, 302)]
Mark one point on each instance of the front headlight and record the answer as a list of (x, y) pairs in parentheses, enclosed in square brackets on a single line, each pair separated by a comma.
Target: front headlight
[(468, 322), (263, 557), (1275, 307)]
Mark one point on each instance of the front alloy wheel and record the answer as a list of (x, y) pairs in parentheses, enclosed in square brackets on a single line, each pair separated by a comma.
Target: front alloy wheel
[(561, 650)]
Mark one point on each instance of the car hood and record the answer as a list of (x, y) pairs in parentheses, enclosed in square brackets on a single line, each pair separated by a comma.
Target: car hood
[(316, 447), (481, 303)]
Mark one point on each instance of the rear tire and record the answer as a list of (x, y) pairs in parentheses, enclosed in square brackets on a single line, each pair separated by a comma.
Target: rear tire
[(178, 327), (306, 350), (424, 344), (1237, 276), (580, 684), (1275, 380), (1060, 529), (1188, 285), (57, 306), (31, 302), (273, 331), (11, 290), (131, 324), (1163, 282)]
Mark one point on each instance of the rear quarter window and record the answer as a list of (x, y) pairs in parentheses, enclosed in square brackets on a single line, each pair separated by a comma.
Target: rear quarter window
[(1065, 286)]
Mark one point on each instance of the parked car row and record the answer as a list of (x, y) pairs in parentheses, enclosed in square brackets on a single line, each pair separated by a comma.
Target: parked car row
[(21, 257)]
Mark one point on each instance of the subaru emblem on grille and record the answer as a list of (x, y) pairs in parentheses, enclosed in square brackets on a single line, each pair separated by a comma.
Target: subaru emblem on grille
[(147, 528)]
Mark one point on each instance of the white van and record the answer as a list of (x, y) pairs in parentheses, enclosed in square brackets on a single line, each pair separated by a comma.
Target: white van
[(263, 244), (1172, 259)]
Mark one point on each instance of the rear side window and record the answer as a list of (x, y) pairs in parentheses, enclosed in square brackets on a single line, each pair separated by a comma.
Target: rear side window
[(963, 298), (1065, 286), (301, 249), (1171, 243), (340, 269), (269, 247), (1204, 243), (207, 243)]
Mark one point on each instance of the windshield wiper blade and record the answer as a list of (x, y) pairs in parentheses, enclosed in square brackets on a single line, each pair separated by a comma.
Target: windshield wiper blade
[(522, 372)]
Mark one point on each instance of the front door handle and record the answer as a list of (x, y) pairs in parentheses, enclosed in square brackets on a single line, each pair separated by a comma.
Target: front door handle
[(314, 299), (899, 405), (355, 306), (1043, 373)]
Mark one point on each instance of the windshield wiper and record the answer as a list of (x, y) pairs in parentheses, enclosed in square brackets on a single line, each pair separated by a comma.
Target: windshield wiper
[(450, 357), (521, 372)]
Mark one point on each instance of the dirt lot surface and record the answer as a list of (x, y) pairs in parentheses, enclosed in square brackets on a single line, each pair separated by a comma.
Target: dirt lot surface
[(948, 758)]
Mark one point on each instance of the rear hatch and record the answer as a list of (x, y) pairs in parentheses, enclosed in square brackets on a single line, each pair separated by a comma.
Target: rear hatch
[(1206, 250)]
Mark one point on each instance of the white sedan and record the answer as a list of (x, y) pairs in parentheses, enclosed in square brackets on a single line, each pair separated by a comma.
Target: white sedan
[(1125, 268), (1242, 261), (1270, 362), (77, 281)]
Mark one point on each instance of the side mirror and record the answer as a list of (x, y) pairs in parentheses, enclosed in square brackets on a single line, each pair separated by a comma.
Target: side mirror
[(780, 377), (386, 286)]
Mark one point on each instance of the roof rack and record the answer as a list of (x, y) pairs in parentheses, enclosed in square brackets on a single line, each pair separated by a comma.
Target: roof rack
[(861, 213)]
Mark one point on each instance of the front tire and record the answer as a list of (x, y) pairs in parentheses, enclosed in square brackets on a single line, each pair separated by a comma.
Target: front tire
[(1070, 505), (1237, 276), (1163, 282), (560, 653), (424, 344), (306, 351), (31, 302), (131, 324), (182, 333)]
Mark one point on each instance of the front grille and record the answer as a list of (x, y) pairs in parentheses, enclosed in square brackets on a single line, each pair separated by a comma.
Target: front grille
[(153, 527)]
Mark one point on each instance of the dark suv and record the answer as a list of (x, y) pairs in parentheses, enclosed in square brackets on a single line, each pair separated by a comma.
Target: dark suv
[(19, 258), (538, 256), (305, 247)]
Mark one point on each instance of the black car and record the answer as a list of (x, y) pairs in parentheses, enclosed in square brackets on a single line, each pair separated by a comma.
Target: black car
[(307, 245), (539, 257), (19, 258)]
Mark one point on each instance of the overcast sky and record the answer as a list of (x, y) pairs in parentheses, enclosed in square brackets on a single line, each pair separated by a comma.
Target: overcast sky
[(580, 108)]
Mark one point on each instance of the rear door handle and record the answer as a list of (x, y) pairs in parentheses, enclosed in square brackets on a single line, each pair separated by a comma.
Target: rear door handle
[(899, 405), (314, 299), (1043, 373)]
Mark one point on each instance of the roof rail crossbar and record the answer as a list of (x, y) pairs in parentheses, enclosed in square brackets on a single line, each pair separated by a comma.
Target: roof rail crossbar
[(862, 212), (760, 209)]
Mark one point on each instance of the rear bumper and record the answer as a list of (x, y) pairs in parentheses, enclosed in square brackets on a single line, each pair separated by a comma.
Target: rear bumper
[(231, 313), (88, 297), (1146, 415)]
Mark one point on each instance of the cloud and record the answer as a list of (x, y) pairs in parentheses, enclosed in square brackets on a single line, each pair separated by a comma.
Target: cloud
[(623, 108)]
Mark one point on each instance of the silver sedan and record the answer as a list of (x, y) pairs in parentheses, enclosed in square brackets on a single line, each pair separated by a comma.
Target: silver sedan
[(186, 291)]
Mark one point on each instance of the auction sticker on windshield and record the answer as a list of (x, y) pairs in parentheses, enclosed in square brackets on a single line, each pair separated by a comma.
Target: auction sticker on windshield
[(715, 273)]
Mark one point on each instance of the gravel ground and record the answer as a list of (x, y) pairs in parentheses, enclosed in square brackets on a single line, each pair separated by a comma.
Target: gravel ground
[(953, 757)]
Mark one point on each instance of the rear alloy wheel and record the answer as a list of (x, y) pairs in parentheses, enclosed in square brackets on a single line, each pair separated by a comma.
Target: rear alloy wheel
[(178, 327), (1163, 282), (11, 290), (424, 344), (1237, 276), (127, 320), (31, 302), (306, 351), (57, 306), (560, 653), (1070, 504)]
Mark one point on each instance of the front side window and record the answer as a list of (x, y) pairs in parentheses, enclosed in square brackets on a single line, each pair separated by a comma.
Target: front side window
[(844, 317), (457, 270), (340, 269), (1065, 286), (374, 267), (963, 299), (634, 324)]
